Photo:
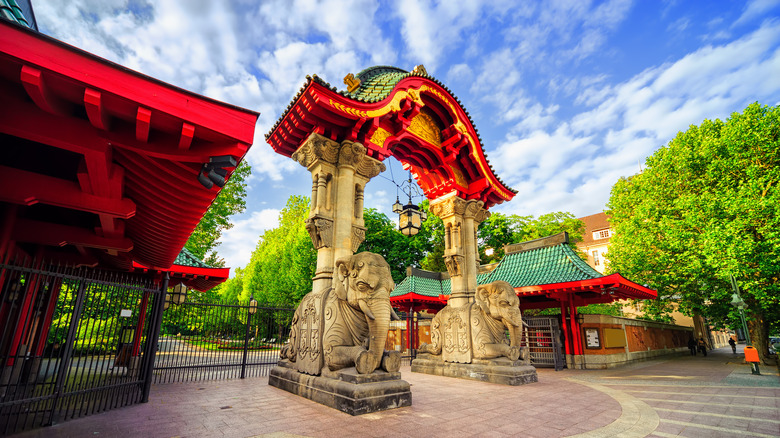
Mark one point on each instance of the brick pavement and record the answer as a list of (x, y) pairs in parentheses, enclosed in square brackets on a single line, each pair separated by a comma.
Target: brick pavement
[(673, 396)]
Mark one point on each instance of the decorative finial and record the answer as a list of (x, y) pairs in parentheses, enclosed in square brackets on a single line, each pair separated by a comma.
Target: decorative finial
[(351, 82), (420, 70)]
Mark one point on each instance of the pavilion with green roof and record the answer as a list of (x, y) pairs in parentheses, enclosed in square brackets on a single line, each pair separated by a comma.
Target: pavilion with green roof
[(545, 273)]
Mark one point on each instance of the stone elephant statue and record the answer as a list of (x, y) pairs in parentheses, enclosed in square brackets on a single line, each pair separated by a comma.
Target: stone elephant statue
[(346, 325), (482, 324)]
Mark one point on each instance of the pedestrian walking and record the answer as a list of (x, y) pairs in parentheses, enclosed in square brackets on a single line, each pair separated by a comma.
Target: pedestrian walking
[(702, 346), (692, 346), (733, 345)]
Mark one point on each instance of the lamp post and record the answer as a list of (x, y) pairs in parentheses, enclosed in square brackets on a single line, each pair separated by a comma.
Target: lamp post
[(736, 301), (250, 311)]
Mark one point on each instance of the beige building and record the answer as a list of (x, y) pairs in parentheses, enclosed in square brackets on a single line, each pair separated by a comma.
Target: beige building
[(595, 240)]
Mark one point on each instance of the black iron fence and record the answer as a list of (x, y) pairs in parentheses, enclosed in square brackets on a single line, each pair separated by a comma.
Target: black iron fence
[(210, 341), (73, 342)]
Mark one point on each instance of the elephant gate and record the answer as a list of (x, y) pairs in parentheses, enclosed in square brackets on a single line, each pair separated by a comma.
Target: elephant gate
[(342, 137)]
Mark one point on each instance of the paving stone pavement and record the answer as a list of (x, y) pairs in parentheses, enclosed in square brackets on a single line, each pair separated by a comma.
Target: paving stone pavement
[(680, 396)]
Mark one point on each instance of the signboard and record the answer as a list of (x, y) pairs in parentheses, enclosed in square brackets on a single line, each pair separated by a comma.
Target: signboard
[(126, 313), (592, 338)]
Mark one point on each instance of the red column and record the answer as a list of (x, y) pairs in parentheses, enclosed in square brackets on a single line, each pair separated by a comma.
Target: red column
[(140, 325), (566, 332), (575, 328)]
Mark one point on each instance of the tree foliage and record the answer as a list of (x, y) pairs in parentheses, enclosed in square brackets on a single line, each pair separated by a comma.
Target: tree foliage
[(282, 265), (705, 208), (383, 238), (500, 230), (230, 200)]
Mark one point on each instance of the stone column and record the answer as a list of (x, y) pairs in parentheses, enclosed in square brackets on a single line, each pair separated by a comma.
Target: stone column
[(461, 219), (340, 172)]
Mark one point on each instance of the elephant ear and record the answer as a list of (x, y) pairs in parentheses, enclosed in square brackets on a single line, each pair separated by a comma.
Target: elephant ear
[(342, 272), (481, 297)]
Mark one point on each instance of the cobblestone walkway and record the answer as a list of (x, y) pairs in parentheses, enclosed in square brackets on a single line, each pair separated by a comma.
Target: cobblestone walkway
[(680, 396)]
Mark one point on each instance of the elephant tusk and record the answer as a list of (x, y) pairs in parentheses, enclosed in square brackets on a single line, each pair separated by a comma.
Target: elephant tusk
[(393, 315), (364, 308)]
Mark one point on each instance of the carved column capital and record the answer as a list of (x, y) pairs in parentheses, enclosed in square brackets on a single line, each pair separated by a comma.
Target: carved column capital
[(316, 148), (473, 209), (447, 207), (351, 154)]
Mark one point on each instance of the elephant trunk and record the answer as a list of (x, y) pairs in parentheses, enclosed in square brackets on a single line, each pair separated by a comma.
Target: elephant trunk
[(377, 332), (514, 322)]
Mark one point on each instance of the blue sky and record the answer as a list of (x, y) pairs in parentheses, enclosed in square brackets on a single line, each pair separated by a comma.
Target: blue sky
[(568, 95)]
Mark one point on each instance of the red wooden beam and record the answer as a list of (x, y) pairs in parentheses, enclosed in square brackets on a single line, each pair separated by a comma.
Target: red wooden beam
[(28, 188), (96, 111), (39, 92), (185, 139), (47, 233), (143, 124)]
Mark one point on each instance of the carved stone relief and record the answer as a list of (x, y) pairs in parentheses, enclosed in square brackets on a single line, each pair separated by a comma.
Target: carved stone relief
[(321, 231)]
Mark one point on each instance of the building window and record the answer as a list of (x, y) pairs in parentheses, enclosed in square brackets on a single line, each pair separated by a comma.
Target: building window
[(602, 234), (595, 258)]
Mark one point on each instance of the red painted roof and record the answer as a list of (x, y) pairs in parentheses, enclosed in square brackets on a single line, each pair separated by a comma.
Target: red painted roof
[(100, 162)]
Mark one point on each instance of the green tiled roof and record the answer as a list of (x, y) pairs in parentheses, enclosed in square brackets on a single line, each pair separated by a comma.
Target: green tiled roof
[(546, 265), (542, 261), (186, 258), (426, 283), (11, 11), (376, 83)]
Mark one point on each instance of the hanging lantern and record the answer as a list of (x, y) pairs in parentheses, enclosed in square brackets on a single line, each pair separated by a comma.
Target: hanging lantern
[(178, 294), (410, 220)]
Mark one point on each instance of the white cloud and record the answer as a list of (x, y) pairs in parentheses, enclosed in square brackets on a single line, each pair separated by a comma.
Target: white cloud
[(239, 241), (756, 9)]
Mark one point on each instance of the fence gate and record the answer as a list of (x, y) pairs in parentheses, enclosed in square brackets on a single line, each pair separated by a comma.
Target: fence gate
[(73, 342), (542, 334), (211, 341)]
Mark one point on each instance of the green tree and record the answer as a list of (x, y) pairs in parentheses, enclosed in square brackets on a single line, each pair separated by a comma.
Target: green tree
[(230, 200), (500, 230), (282, 265), (384, 238), (705, 208)]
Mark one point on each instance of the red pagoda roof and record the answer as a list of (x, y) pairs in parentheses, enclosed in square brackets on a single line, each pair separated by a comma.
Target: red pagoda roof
[(100, 163), (411, 116)]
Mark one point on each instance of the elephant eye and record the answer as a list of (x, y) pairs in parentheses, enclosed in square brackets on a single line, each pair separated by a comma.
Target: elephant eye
[(503, 303), (362, 286)]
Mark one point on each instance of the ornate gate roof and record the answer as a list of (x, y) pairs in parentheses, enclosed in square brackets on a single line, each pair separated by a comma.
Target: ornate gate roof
[(409, 115)]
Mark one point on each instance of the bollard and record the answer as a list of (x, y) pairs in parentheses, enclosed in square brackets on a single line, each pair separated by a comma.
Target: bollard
[(751, 356)]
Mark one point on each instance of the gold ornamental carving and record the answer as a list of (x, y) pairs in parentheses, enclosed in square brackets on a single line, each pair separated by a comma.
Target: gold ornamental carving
[(351, 82), (379, 137), (425, 127)]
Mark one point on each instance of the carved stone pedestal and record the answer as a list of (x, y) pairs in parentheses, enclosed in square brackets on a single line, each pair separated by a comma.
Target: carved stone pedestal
[(501, 370), (345, 390)]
